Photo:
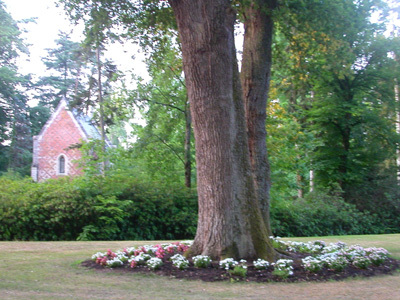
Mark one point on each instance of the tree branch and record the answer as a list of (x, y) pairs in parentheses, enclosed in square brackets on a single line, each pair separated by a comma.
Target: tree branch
[(176, 76), (160, 103), (170, 148)]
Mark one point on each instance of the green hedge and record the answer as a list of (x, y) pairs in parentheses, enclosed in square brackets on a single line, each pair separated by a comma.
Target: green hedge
[(94, 209), (119, 207), (52, 211), (322, 214)]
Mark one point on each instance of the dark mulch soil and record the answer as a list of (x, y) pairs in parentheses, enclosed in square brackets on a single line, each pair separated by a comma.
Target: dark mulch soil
[(214, 273)]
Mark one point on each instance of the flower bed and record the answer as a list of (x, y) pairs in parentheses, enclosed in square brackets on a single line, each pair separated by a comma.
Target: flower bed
[(306, 261)]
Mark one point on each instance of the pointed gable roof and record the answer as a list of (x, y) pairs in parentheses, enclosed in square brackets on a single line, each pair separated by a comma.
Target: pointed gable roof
[(83, 123)]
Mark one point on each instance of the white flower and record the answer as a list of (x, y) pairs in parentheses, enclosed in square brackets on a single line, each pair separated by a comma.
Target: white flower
[(201, 261), (228, 263), (260, 264), (377, 255), (362, 262), (130, 250), (122, 256), (179, 261), (140, 259), (312, 264), (98, 254), (283, 267), (154, 263), (283, 263), (114, 262), (333, 247)]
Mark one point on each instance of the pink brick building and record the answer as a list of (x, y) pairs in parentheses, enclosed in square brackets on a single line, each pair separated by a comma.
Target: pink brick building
[(52, 156)]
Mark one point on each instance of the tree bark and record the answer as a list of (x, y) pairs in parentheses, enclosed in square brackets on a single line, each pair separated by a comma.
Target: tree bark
[(311, 180), (397, 101), (230, 221), (188, 135), (255, 77)]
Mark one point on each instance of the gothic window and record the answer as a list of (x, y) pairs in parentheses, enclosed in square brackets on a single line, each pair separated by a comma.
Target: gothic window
[(61, 165)]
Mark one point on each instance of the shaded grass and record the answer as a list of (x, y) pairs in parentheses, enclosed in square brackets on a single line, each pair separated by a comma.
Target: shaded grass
[(51, 270)]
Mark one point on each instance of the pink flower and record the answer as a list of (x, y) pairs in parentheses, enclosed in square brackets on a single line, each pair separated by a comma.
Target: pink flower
[(98, 260), (170, 249), (110, 253), (182, 247), (133, 264), (103, 261), (160, 252)]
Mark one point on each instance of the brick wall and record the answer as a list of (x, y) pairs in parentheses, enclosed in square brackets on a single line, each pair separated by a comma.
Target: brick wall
[(59, 133)]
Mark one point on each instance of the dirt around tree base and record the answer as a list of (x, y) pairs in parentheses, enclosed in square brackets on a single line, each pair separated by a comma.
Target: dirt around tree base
[(215, 273)]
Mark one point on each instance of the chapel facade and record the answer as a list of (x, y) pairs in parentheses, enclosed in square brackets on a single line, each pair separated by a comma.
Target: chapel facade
[(53, 155)]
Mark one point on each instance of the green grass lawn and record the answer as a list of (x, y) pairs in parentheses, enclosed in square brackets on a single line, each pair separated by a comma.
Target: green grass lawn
[(51, 270)]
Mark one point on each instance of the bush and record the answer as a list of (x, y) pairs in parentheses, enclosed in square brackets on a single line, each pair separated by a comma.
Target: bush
[(95, 208), (119, 207), (320, 214), (154, 213)]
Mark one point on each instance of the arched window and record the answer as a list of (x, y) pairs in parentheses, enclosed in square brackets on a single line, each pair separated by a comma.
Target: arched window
[(61, 165)]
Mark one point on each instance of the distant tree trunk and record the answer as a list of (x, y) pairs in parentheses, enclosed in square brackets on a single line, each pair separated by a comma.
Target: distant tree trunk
[(20, 138), (345, 131), (299, 181), (255, 77), (312, 175), (311, 180), (188, 134), (78, 74), (397, 100), (100, 96), (65, 85), (230, 220)]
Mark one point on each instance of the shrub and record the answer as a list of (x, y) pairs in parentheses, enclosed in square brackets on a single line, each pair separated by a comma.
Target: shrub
[(54, 210), (362, 262), (377, 255), (320, 214), (240, 271), (94, 208)]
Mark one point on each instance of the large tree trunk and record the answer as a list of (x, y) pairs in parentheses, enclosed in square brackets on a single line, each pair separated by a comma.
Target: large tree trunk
[(230, 220), (255, 77)]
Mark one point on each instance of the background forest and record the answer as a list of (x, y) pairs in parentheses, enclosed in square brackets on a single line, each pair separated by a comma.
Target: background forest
[(333, 125)]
